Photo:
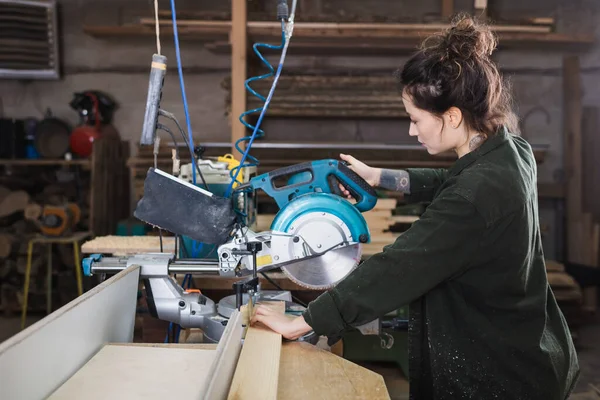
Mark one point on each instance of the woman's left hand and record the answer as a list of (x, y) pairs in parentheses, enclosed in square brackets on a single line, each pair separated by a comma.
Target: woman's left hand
[(289, 327)]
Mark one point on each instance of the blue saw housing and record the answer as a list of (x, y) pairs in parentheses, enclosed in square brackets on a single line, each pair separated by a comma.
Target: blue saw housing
[(314, 187)]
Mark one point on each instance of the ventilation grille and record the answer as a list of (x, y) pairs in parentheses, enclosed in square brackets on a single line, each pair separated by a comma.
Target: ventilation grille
[(28, 40)]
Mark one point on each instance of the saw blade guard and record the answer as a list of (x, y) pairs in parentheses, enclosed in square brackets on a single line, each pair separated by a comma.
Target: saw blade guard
[(329, 224), (328, 204)]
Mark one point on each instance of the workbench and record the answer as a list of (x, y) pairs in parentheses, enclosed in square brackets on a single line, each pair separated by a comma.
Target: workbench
[(85, 349)]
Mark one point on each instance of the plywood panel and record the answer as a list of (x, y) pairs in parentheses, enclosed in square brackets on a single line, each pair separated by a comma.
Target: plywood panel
[(140, 372), (39, 359)]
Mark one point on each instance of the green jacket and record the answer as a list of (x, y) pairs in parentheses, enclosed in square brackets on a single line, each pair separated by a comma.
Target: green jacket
[(484, 323)]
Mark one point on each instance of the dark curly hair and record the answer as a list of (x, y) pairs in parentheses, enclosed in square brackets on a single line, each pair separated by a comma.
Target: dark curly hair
[(454, 68)]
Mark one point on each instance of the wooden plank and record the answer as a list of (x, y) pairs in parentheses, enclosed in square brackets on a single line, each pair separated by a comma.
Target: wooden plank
[(128, 245), (60, 344), (308, 372), (257, 373), (572, 93), (590, 172), (239, 43), (140, 372)]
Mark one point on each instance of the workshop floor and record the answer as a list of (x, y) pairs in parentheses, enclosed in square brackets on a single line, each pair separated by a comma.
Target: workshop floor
[(588, 350)]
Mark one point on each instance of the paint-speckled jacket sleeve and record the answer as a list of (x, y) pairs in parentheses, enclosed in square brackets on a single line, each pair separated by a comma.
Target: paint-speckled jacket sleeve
[(434, 249), (424, 183)]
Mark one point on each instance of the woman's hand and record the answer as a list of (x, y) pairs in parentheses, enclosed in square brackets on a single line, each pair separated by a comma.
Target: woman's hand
[(369, 174), (289, 327)]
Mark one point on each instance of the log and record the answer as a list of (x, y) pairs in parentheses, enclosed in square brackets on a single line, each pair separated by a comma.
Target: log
[(13, 202), (7, 242)]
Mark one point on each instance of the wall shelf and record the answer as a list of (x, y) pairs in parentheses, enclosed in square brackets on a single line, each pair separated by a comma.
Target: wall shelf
[(44, 162), (334, 38)]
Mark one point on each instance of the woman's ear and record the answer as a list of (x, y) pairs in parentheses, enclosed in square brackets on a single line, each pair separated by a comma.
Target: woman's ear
[(454, 117)]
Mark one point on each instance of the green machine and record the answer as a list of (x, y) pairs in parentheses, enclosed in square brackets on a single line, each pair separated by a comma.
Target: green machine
[(390, 346)]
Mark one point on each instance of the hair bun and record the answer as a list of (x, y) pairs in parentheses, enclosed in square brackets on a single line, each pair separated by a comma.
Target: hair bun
[(466, 39)]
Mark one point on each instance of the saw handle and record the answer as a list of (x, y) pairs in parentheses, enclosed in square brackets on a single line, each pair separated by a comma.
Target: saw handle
[(317, 176)]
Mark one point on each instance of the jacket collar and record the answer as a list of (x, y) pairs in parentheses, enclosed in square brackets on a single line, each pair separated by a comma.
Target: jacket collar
[(490, 144)]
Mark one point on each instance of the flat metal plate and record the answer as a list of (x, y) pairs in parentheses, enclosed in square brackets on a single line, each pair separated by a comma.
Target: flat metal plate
[(325, 271)]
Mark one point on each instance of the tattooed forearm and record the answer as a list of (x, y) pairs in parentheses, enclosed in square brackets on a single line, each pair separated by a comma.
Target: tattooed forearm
[(398, 180)]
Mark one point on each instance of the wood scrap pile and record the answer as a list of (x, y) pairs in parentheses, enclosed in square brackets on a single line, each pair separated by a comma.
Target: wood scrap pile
[(96, 192), (567, 292), (327, 96), (15, 232), (379, 220)]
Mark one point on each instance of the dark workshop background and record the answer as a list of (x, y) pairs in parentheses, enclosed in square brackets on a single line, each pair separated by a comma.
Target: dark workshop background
[(119, 66), (556, 84)]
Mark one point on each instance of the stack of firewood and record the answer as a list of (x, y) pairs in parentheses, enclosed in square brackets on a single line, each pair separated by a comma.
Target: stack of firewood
[(15, 232)]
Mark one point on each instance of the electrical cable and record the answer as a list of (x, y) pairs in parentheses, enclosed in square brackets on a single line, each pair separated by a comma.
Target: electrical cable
[(170, 132), (192, 154), (182, 85), (272, 282)]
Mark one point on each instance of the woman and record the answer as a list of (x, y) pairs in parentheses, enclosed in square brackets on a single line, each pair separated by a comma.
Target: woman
[(484, 322)]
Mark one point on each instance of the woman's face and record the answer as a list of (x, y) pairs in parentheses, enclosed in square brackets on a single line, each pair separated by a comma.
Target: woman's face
[(432, 132)]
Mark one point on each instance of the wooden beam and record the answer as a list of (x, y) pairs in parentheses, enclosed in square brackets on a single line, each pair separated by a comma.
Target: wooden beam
[(257, 372), (573, 112), (239, 41)]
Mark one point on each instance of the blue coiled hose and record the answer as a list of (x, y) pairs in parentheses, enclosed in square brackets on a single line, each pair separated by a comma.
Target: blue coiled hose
[(286, 33), (248, 160)]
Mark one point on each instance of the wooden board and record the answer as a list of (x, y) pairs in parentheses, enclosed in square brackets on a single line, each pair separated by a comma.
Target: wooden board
[(140, 372), (257, 373), (307, 372), (573, 109), (128, 245)]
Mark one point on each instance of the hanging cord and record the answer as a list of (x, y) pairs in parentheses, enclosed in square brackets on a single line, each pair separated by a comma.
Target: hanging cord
[(157, 27), (192, 154)]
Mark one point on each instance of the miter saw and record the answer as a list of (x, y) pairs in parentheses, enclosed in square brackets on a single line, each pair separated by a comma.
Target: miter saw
[(315, 239)]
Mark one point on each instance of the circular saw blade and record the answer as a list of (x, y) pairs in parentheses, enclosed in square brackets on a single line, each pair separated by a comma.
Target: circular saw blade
[(325, 271)]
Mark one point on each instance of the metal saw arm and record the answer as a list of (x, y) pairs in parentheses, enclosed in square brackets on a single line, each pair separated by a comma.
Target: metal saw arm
[(167, 300)]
